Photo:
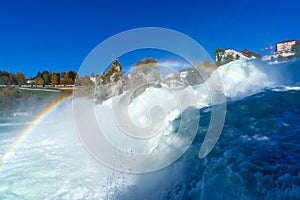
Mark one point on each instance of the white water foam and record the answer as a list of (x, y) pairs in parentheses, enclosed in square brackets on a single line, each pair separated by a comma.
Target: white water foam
[(52, 164), (240, 79)]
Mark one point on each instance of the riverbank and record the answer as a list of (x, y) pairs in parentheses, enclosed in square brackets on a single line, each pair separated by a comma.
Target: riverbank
[(26, 102), (40, 89)]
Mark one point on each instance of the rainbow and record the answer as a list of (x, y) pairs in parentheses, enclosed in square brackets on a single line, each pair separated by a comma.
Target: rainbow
[(22, 136), (206, 65), (177, 64)]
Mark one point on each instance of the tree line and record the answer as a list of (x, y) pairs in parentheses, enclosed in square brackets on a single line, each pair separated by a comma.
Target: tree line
[(42, 78)]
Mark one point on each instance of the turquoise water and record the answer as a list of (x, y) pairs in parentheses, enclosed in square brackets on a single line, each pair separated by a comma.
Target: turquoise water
[(257, 156)]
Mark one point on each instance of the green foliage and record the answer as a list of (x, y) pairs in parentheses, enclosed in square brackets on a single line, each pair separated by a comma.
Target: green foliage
[(8, 78), (39, 74), (17, 100), (46, 77), (4, 80), (7, 99), (219, 53), (221, 59), (229, 58)]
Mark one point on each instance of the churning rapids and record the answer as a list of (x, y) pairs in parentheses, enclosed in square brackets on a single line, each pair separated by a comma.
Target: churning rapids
[(256, 157)]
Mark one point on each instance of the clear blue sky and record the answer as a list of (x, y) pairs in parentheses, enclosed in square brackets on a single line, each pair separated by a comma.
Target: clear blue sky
[(57, 35)]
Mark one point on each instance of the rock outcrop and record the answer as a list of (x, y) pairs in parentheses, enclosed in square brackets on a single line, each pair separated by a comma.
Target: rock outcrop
[(113, 82)]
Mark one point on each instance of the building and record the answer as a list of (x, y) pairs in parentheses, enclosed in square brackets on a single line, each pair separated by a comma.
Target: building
[(245, 54), (93, 79), (183, 74), (236, 54), (250, 54), (171, 75), (285, 48), (224, 56), (22, 114), (174, 80), (29, 81)]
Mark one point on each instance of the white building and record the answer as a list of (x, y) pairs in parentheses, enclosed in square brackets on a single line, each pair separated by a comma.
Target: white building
[(285, 48), (29, 81), (228, 55), (171, 75), (22, 114), (183, 74), (236, 54), (93, 79)]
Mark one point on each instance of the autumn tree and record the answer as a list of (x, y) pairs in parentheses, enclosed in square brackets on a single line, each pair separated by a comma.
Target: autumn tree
[(55, 79), (68, 78), (39, 81), (72, 76), (12, 79), (146, 61), (65, 78), (20, 77)]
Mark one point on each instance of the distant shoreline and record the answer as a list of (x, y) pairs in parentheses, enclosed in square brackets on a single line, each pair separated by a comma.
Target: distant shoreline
[(40, 89), (46, 88)]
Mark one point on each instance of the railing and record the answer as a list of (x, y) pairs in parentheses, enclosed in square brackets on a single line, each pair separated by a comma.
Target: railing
[(37, 86)]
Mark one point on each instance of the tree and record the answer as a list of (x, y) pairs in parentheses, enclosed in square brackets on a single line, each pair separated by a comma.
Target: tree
[(12, 79), (39, 81), (8, 97), (4, 80), (39, 74), (72, 76), (146, 61), (237, 56), (219, 53), (20, 77), (84, 81), (68, 78), (46, 77), (55, 78), (65, 80), (229, 58)]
